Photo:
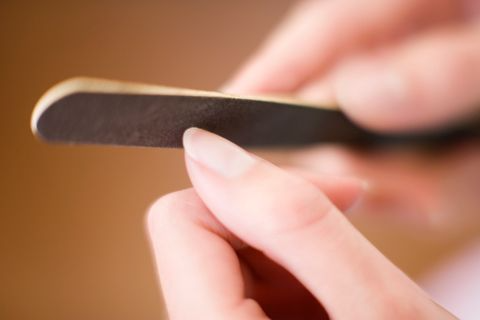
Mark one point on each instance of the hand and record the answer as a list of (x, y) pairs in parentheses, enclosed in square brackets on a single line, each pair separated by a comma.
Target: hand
[(430, 188), (253, 241), (393, 65)]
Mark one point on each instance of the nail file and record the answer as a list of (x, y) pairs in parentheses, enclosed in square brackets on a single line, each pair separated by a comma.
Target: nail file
[(108, 112)]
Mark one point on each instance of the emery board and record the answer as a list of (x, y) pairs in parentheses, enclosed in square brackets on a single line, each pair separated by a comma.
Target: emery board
[(108, 112)]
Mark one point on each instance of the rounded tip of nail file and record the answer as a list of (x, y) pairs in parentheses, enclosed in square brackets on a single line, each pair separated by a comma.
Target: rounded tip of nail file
[(109, 112)]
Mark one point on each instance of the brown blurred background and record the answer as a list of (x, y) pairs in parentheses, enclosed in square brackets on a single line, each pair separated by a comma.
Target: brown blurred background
[(72, 238)]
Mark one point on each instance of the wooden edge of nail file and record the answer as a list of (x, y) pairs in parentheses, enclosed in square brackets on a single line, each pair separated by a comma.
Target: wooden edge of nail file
[(109, 112)]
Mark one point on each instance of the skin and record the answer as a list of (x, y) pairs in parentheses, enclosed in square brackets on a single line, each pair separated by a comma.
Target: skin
[(254, 241), (391, 66)]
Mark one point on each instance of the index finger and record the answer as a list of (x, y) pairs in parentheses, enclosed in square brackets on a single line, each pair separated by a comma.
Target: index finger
[(199, 271), (316, 33)]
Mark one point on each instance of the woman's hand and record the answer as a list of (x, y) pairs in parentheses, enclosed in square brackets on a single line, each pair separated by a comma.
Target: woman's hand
[(391, 66), (252, 241), (432, 188)]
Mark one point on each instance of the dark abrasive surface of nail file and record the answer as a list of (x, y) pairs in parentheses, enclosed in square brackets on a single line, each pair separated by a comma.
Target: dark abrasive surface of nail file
[(159, 120)]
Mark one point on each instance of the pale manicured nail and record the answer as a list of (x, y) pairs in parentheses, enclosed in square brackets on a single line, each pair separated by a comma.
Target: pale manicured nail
[(216, 153), (357, 203)]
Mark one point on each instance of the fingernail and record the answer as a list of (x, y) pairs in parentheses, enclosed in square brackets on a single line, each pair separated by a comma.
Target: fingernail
[(238, 87), (374, 87), (216, 153), (320, 93), (357, 203), (227, 88)]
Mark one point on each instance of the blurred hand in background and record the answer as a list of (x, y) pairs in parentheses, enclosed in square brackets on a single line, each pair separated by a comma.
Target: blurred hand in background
[(391, 66)]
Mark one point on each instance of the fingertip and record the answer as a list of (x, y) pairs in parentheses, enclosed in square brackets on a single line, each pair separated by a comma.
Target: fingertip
[(254, 77), (319, 91), (188, 141), (354, 191), (363, 187), (216, 153), (163, 211), (263, 77), (236, 86), (375, 94)]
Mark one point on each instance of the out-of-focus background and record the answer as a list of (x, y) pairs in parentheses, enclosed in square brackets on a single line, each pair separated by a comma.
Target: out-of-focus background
[(72, 236)]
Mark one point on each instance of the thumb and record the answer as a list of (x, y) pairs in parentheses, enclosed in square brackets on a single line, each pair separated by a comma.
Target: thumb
[(295, 224)]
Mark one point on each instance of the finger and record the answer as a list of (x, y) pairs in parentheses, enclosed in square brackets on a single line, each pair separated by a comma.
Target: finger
[(437, 183), (343, 191), (428, 82), (294, 224), (319, 90), (393, 175), (198, 268), (316, 33)]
